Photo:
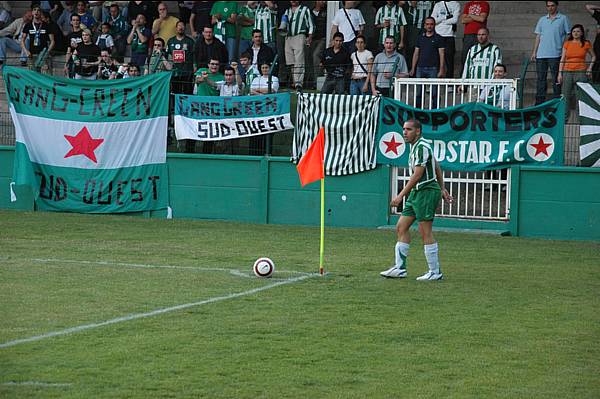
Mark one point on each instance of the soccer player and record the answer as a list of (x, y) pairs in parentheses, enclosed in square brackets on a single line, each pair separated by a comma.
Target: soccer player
[(423, 192)]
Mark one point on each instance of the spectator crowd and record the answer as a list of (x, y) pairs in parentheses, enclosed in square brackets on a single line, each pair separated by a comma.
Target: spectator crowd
[(226, 48)]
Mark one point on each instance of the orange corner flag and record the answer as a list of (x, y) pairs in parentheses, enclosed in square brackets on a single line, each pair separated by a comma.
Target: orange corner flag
[(311, 166)]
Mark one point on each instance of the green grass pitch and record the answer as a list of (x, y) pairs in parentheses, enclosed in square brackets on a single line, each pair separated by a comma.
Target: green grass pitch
[(147, 308)]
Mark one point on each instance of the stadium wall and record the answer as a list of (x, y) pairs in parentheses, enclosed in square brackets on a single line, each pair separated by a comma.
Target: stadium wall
[(556, 203)]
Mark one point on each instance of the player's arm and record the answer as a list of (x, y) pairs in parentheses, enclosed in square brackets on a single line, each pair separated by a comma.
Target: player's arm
[(440, 179), (412, 182)]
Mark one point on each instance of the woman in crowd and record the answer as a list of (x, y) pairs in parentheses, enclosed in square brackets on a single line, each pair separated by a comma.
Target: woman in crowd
[(362, 59), (573, 68), (260, 84), (86, 57)]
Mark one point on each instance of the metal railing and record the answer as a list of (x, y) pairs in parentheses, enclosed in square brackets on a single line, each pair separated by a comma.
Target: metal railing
[(477, 195)]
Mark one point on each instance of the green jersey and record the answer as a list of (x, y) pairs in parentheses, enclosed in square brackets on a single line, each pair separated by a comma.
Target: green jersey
[(246, 31), (181, 54), (204, 89), (421, 154), (265, 20), (396, 17), (481, 60), (224, 29), (299, 21), (415, 16)]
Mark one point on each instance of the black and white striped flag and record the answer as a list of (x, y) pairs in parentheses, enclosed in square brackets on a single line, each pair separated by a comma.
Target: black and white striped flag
[(350, 124), (589, 119)]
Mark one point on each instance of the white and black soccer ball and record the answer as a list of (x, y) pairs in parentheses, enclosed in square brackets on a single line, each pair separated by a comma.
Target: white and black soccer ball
[(263, 267)]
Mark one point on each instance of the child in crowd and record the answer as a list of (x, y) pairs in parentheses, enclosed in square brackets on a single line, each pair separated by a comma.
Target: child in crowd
[(105, 40)]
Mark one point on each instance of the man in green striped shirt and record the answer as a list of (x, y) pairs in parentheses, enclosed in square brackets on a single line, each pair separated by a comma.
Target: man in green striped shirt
[(423, 192), (390, 21), (265, 20), (482, 58), (300, 28)]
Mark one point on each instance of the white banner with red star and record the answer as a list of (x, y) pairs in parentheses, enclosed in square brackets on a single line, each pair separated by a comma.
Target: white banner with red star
[(475, 136)]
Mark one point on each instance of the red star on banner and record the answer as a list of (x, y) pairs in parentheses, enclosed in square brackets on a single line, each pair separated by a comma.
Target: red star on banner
[(83, 144), (392, 145), (541, 147)]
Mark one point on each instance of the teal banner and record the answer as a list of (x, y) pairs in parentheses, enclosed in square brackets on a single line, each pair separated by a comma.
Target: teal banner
[(116, 100), (476, 136), (87, 146)]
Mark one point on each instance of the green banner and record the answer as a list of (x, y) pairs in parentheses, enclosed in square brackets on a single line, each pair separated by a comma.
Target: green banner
[(87, 146), (116, 100), (476, 136)]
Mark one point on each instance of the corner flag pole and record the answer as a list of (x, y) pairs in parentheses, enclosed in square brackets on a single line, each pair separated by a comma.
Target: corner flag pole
[(321, 270)]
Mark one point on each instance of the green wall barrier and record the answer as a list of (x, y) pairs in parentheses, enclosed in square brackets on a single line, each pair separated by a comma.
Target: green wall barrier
[(558, 203)]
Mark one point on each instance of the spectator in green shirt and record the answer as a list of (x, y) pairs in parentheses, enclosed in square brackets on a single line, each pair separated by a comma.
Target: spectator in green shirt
[(246, 21), (224, 19), (212, 72)]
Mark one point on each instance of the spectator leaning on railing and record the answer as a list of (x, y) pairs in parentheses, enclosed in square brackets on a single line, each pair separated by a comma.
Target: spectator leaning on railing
[(573, 68), (384, 65), (336, 62), (10, 37)]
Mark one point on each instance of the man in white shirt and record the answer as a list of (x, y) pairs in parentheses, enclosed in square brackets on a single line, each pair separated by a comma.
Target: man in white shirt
[(446, 15), (350, 22)]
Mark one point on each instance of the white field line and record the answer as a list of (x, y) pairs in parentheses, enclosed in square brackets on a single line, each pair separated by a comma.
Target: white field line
[(235, 272), (37, 384), (154, 312)]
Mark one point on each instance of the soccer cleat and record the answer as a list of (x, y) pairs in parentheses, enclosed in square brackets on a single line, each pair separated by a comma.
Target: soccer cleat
[(394, 272), (430, 276)]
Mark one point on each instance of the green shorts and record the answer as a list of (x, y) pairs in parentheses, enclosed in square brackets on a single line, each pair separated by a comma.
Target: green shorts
[(422, 204)]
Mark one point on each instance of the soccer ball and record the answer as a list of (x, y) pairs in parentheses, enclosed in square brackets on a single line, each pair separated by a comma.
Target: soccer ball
[(263, 267)]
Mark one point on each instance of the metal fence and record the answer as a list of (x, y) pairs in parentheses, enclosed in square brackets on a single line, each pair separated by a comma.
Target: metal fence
[(477, 195)]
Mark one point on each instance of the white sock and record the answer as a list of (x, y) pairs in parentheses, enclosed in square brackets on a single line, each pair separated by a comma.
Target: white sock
[(401, 252), (431, 254)]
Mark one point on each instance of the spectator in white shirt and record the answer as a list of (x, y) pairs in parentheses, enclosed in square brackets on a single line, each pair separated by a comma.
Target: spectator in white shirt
[(350, 22), (446, 15), (362, 61), (260, 84)]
